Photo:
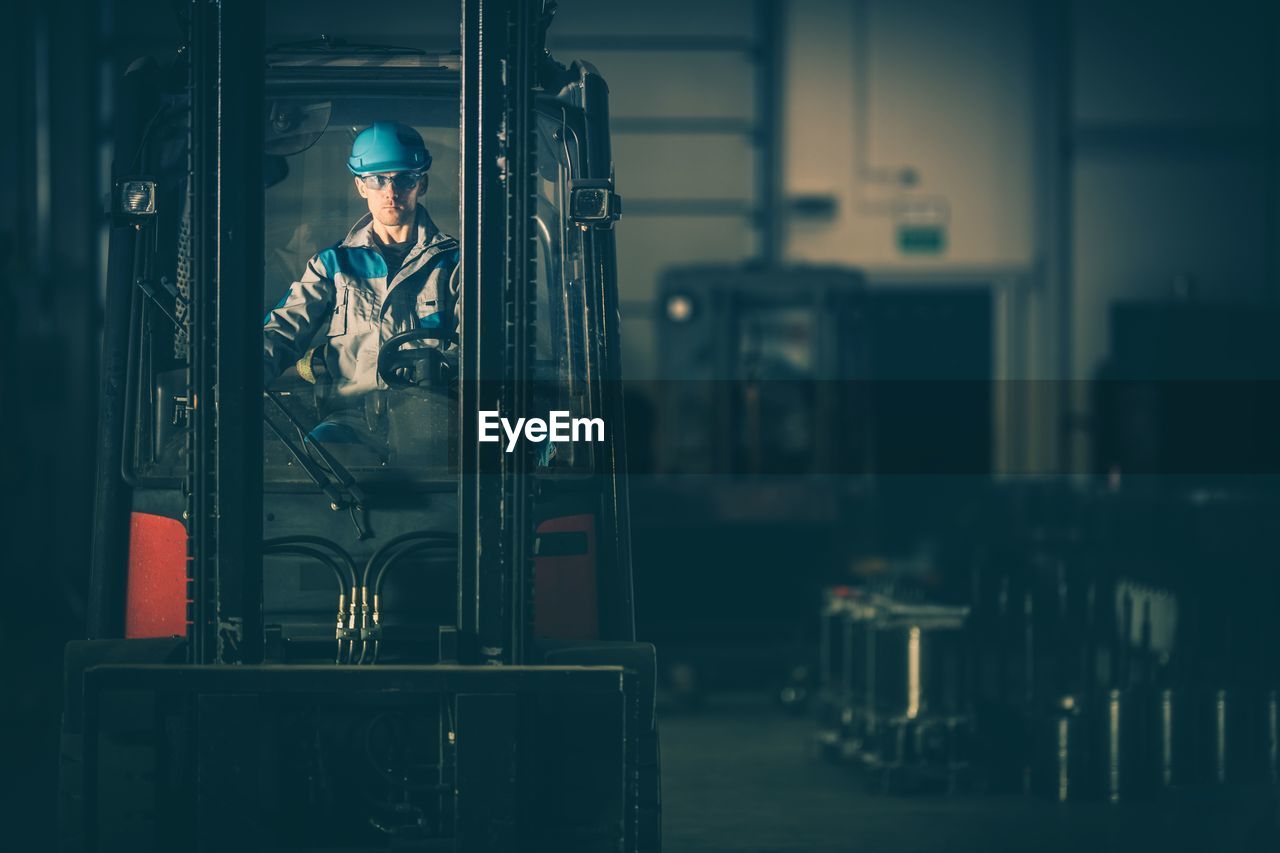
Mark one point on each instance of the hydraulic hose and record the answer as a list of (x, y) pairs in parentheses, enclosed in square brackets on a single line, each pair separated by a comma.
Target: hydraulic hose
[(412, 536), (314, 553), (306, 546), (408, 548), (368, 606), (337, 550)]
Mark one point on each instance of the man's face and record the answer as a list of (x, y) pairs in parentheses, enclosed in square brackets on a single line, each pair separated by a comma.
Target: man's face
[(396, 201)]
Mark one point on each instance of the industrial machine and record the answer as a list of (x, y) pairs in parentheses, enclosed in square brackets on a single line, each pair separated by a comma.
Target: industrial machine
[(892, 692), (295, 645), (766, 371), (1081, 651)]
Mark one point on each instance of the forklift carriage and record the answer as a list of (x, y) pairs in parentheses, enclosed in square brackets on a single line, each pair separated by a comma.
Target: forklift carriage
[(297, 644)]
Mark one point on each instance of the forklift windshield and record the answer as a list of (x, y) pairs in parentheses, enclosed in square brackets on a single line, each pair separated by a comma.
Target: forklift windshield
[(323, 295), (405, 427)]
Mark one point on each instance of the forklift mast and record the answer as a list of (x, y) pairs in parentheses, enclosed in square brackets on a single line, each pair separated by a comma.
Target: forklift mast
[(496, 238), (224, 379)]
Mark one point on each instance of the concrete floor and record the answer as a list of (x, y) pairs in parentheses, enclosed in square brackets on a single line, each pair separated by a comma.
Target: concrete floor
[(740, 775)]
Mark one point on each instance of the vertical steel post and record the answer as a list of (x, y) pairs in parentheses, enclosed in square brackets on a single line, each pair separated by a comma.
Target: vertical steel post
[(617, 610), (225, 462), (521, 203), (202, 607), (768, 48), (480, 202), (240, 263), (496, 193)]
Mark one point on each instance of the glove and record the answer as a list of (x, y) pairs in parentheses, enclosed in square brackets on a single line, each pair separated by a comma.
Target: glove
[(311, 367)]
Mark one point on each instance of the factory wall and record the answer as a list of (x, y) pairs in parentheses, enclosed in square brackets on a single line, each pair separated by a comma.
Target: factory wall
[(948, 95), (682, 79), (689, 134), (1175, 181), (1169, 121)]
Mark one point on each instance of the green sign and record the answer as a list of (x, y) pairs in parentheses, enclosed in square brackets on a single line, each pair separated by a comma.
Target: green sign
[(922, 239)]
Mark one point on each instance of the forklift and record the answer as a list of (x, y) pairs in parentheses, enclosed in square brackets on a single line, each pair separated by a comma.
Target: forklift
[(294, 646)]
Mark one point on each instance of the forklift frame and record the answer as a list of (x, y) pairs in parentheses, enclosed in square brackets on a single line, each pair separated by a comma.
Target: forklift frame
[(499, 678)]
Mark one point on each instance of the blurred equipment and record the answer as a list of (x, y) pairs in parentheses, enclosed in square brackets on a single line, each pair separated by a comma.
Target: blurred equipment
[(794, 387), (804, 370), (1113, 659), (1188, 389), (892, 692), (762, 367), (1116, 646)]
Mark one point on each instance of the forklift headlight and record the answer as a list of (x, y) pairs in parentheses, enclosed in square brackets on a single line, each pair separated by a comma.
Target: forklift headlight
[(594, 203), (590, 204), (135, 198)]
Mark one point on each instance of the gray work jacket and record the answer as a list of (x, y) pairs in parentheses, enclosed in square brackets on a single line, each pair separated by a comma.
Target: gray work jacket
[(346, 286)]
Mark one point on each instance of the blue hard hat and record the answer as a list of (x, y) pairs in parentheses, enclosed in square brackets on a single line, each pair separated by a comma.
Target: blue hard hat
[(388, 146)]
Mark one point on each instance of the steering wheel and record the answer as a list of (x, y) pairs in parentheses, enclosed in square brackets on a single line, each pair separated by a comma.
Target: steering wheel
[(399, 367)]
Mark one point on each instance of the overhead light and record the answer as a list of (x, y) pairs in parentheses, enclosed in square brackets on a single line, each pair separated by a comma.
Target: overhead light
[(680, 308)]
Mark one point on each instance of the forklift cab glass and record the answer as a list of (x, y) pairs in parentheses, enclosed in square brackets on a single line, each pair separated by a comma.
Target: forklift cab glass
[(407, 429), (380, 420)]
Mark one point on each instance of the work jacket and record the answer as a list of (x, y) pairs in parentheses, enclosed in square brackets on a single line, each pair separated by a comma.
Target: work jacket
[(346, 287)]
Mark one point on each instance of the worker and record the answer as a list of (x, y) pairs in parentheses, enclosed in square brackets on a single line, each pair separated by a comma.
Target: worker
[(393, 272)]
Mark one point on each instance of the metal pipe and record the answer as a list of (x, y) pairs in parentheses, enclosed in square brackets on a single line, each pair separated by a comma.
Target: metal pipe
[(285, 546), (315, 553), (406, 550), (371, 624), (337, 549), (360, 598), (376, 558)]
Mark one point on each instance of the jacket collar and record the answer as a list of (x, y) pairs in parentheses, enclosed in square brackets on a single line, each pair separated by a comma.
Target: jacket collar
[(361, 234)]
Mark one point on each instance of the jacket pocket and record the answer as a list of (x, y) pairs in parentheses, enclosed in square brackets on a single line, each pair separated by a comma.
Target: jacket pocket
[(341, 307), (425, 308)]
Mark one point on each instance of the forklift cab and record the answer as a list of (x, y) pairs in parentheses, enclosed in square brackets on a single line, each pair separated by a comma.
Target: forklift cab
[(426, 647)]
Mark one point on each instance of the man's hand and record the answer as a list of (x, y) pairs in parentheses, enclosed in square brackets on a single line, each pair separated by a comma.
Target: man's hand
[(411, 358), (311, 367), (406, 375)]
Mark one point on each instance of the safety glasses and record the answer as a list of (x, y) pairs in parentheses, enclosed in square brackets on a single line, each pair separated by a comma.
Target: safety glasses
[(400, 181)]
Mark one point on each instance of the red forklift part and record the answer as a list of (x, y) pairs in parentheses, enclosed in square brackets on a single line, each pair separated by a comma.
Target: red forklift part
[(565, 605), (156, 603)]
